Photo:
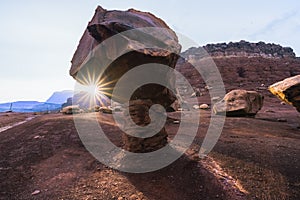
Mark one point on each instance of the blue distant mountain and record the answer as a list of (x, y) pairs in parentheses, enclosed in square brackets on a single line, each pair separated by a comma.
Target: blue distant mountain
[(60, 97), (29, 106), (46, 107), (52, 104), (19, 106)]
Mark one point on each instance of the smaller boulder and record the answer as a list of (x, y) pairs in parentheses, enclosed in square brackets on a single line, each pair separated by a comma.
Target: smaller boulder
[(196, 107), (74, 109), (288, 91), (239, 103)]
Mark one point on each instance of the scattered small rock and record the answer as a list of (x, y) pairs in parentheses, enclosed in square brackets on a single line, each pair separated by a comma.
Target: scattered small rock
[(105, 110), (208, 87), (196, 107), (176, 122), (36, 192), (196, 94), (204, 106), (282, 103), (37, 137)]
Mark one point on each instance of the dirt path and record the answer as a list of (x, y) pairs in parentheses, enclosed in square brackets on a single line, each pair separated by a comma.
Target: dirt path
[(9, 119)]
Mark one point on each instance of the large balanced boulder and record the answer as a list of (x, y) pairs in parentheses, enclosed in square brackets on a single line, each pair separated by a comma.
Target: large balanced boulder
[(239, 103), (116, 42), (288, 90), (163, 43)]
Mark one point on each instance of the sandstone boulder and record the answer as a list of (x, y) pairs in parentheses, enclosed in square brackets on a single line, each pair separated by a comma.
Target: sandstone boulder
[(142, 39), (239, 103), (106, 24), (288, 90)]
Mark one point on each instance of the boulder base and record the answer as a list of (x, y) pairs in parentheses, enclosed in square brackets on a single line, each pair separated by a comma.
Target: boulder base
[(138, 112)]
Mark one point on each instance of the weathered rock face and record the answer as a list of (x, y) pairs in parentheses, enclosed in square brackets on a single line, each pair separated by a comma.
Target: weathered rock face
[(106, 24), (246, 49), (142, 47), (239, 103), (288, 90)]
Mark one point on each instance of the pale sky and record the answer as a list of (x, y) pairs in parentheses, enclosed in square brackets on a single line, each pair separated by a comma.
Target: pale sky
[(38, 38)]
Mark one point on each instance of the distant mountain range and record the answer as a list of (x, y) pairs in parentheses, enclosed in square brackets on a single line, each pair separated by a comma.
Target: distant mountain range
[(60, 97), (53, 103)]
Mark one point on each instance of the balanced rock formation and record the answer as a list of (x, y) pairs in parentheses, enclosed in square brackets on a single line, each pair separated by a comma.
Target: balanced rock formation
[(141, 46), (288, 90), (239, 103)]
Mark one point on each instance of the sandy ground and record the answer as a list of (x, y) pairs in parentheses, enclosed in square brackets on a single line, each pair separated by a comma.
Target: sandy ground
[(255, 158)]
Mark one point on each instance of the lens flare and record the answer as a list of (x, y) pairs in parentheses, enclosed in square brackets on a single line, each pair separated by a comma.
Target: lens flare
[(93, 90)]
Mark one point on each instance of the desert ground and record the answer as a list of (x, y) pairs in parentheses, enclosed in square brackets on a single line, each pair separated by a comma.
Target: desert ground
[(255, 158)]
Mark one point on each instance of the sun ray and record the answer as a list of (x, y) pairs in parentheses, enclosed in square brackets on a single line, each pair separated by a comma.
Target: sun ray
[(108, 83), (93, 90)]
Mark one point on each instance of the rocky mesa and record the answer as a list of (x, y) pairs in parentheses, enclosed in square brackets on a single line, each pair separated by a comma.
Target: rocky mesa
[(242, 65), (246, 49)]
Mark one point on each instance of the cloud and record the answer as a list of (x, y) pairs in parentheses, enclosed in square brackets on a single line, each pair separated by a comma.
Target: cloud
[(276, 23), (284, 30)]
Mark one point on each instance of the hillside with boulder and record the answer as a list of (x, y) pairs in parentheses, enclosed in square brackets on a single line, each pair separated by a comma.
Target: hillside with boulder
[(243, 65)]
